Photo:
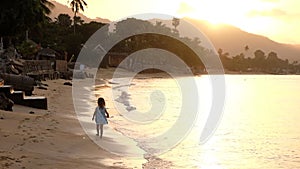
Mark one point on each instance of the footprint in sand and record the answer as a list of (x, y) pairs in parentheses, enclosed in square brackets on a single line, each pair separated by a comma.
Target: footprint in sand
[(6, 160), (118, 164), (41, 125)]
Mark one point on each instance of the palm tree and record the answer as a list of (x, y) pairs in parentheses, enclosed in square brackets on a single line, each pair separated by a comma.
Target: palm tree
[(43, 9), (175, 22), (19, 16), (77, 5), (47, 6)]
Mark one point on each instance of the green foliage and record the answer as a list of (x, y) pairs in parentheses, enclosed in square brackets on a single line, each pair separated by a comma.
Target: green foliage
[(59, 36), (165, 39), (259, 63), (64, 20), (16, 17), (28, 49), (78, 20)]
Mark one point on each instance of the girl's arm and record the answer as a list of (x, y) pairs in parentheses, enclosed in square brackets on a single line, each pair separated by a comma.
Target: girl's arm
[(94, 115), (107, 115)]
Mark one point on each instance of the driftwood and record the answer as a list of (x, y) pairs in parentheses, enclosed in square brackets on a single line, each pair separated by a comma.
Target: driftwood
[(18, 64), (10, 62), (5, 103), (13, 70), (19, 82)]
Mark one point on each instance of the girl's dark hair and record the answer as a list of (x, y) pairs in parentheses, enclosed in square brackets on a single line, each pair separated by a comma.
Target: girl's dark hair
[(101, 102)]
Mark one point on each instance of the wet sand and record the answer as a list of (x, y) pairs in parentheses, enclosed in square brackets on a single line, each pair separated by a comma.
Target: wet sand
[(53, 138)]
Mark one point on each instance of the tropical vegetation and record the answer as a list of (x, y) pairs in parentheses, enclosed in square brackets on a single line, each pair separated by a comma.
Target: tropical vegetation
[(26, 25)]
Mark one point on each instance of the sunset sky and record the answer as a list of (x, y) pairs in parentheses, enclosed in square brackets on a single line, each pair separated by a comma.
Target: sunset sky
[(277, 19)]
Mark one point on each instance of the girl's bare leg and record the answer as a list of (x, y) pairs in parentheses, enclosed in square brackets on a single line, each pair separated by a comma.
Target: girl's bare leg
[(97, 127), (101, 130)]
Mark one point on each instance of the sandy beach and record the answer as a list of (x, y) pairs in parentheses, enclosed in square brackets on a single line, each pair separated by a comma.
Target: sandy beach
[(53, 138), (62, 138)]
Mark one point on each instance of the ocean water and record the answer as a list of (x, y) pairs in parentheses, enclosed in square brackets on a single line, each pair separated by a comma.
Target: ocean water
[(260, 125)]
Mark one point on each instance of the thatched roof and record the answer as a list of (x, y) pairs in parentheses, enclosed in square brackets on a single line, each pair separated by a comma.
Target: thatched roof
[(47, 52)]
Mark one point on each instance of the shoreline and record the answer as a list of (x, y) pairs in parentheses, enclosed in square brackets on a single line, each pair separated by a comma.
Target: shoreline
[(84, 99), (54, 137), (157, 74), (106, 75)]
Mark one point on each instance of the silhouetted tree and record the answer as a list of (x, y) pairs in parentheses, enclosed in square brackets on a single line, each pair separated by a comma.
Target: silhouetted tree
[(238, 62), (175, 23), (224, 57), (259, 60), (77, 5), (78, 20), (272, 63), (17, 17), (64, 20)]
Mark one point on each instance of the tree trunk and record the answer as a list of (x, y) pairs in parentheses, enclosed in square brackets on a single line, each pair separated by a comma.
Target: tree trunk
[(74, 22)]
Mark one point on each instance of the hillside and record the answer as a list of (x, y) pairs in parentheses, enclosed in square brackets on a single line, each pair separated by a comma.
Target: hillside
[(234, 40), (229, 38), (60, 8)]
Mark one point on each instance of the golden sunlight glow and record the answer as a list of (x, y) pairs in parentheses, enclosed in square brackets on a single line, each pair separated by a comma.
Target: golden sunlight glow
[(275, 19), (255, 16), (216, 11)]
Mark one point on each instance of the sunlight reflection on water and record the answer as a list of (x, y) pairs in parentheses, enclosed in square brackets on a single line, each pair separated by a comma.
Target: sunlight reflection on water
[(260, 126), (259, 129)]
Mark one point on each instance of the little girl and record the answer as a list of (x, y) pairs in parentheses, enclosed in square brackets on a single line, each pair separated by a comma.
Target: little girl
[(100, 114)]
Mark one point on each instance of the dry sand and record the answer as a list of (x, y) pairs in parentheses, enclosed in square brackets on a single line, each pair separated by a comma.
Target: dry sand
[(53, 138)]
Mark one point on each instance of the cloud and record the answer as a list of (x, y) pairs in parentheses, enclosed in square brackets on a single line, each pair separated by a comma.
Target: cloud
[(272, 1), (276, 14), (185, 8), (268, 13)]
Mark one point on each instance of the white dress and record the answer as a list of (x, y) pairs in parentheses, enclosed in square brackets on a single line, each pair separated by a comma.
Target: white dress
[(100, 116)]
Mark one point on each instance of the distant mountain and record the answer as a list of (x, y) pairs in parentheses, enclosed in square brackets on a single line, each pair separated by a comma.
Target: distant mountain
[(63, 9), (229, 38), (234, 40)]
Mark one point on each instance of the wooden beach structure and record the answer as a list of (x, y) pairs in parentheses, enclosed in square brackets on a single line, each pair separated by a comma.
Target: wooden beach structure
[(19, 97), (19, 76)]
